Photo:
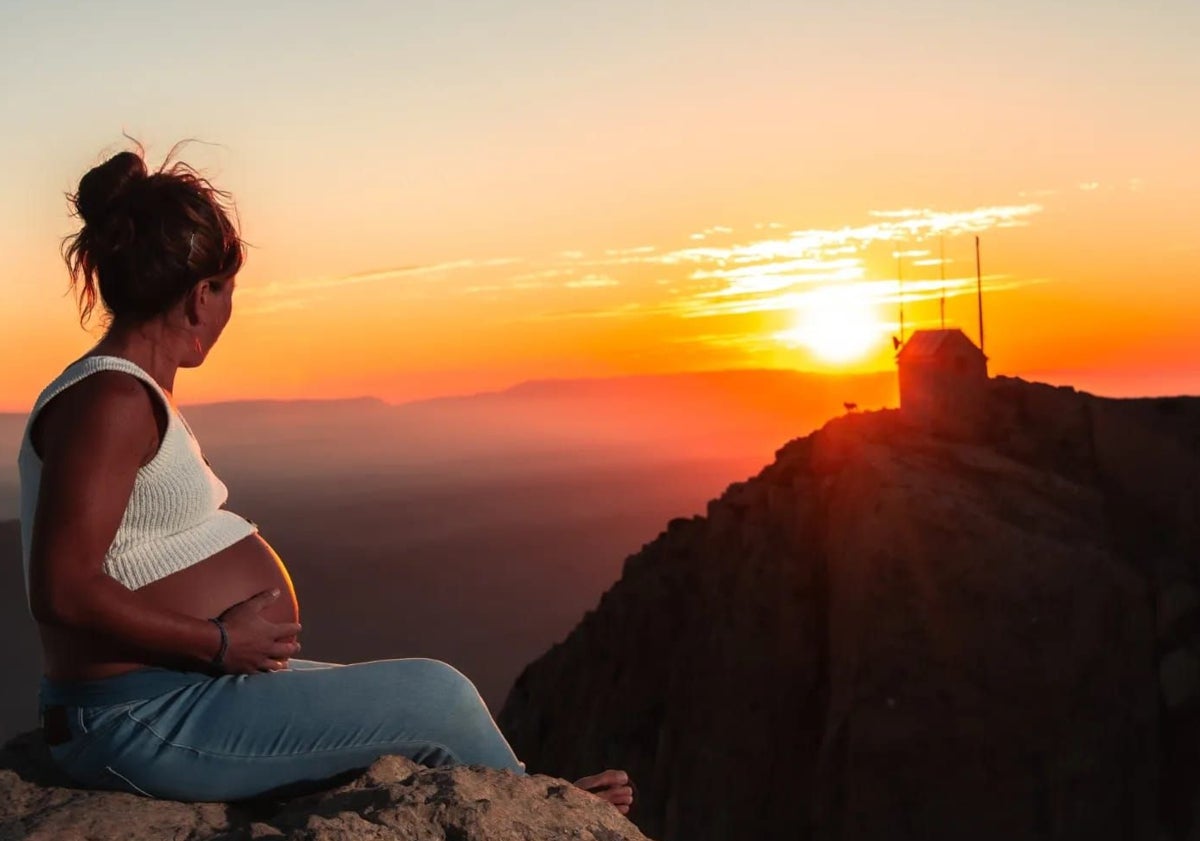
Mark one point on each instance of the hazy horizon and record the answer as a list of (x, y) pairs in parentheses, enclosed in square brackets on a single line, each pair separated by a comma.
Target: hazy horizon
[(559, 425), (1114, 383)]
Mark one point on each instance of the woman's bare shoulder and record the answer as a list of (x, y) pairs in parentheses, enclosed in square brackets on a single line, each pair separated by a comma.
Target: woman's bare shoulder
[(107, 407)]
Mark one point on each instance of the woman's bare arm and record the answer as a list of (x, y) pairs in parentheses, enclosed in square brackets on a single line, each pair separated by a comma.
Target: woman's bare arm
[(92, 445)]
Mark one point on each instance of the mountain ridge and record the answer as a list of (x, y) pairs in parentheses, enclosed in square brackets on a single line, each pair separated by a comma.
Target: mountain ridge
[(911, 633)]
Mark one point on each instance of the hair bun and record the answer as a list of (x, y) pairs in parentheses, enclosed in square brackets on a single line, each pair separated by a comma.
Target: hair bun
[(105, 186)]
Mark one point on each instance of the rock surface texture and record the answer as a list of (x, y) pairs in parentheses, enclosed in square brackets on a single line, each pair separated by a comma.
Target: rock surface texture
[(896, 631), (393, 800)]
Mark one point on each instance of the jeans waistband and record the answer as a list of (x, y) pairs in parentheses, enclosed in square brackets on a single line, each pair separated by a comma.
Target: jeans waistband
[(139, 685)]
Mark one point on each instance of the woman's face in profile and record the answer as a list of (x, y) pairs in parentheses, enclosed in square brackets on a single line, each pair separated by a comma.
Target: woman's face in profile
[(217, 306), (223, 304)]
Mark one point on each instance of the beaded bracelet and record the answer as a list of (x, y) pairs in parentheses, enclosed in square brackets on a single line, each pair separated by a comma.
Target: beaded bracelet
[(219, 658)]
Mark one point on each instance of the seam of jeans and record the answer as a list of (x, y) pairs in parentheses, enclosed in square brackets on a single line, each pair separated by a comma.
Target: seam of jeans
[(95, 712), (226, 755), (128, 781), (79, 718)]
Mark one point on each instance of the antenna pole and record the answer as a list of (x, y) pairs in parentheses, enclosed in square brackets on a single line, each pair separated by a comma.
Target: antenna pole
[(979, 291), (900, 281), (942, 264)]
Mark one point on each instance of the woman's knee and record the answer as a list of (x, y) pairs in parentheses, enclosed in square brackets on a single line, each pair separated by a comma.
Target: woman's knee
[(443, 682), (459, 719)]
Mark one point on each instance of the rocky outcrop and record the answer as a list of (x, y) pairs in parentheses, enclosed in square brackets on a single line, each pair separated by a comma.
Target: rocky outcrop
[(893, 632), (393, 800)]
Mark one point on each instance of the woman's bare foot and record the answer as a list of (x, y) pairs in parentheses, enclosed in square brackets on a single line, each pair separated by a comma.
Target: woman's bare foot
[(613, 786)]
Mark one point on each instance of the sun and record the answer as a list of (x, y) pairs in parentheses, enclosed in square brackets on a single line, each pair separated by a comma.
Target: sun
[(837, 323)]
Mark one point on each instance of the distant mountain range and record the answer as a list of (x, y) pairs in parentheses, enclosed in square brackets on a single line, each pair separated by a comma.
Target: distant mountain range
[(728, 410), (560, 424)]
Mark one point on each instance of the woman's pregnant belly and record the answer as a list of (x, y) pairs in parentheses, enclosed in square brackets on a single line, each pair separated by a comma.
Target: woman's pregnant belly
[(232, 575), (204, 590)]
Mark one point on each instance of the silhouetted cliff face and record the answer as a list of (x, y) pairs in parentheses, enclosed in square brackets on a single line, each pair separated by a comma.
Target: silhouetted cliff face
[(894, 633)]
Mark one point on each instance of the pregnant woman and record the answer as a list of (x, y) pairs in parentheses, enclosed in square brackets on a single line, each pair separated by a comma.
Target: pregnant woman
[(168, 625)]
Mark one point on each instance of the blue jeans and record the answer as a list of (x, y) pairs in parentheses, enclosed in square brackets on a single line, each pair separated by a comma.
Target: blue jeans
[(191, 736)]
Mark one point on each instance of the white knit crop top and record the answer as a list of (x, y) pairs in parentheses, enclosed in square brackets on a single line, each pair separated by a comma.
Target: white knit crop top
[(173, 518)]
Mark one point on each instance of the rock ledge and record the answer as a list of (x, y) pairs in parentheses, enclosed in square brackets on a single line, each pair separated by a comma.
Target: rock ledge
[(393, 800)]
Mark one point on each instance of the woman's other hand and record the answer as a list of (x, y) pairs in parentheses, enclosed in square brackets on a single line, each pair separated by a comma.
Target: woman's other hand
[(254, 643)]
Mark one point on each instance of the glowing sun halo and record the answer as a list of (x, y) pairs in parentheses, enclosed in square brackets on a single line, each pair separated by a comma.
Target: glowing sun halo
[(838, 324)]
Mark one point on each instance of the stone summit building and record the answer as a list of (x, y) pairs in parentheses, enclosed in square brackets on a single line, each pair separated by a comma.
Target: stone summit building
[(943, 378)]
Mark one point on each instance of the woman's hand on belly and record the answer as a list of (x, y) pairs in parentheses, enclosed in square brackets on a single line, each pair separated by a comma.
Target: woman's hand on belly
[(254, 643)]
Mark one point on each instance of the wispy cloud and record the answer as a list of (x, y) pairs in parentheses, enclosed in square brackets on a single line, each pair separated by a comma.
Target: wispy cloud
[(278, 296), (544, 274), (625, 252), (517, 286), (591, 281), (424, 272), (730, 274), (619, 311), (714, 230)]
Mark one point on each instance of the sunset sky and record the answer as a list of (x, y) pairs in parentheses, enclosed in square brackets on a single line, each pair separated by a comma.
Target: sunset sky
[(457, 196)]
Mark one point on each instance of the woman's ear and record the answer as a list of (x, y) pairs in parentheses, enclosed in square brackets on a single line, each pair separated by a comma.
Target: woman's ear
[(194, 303)]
